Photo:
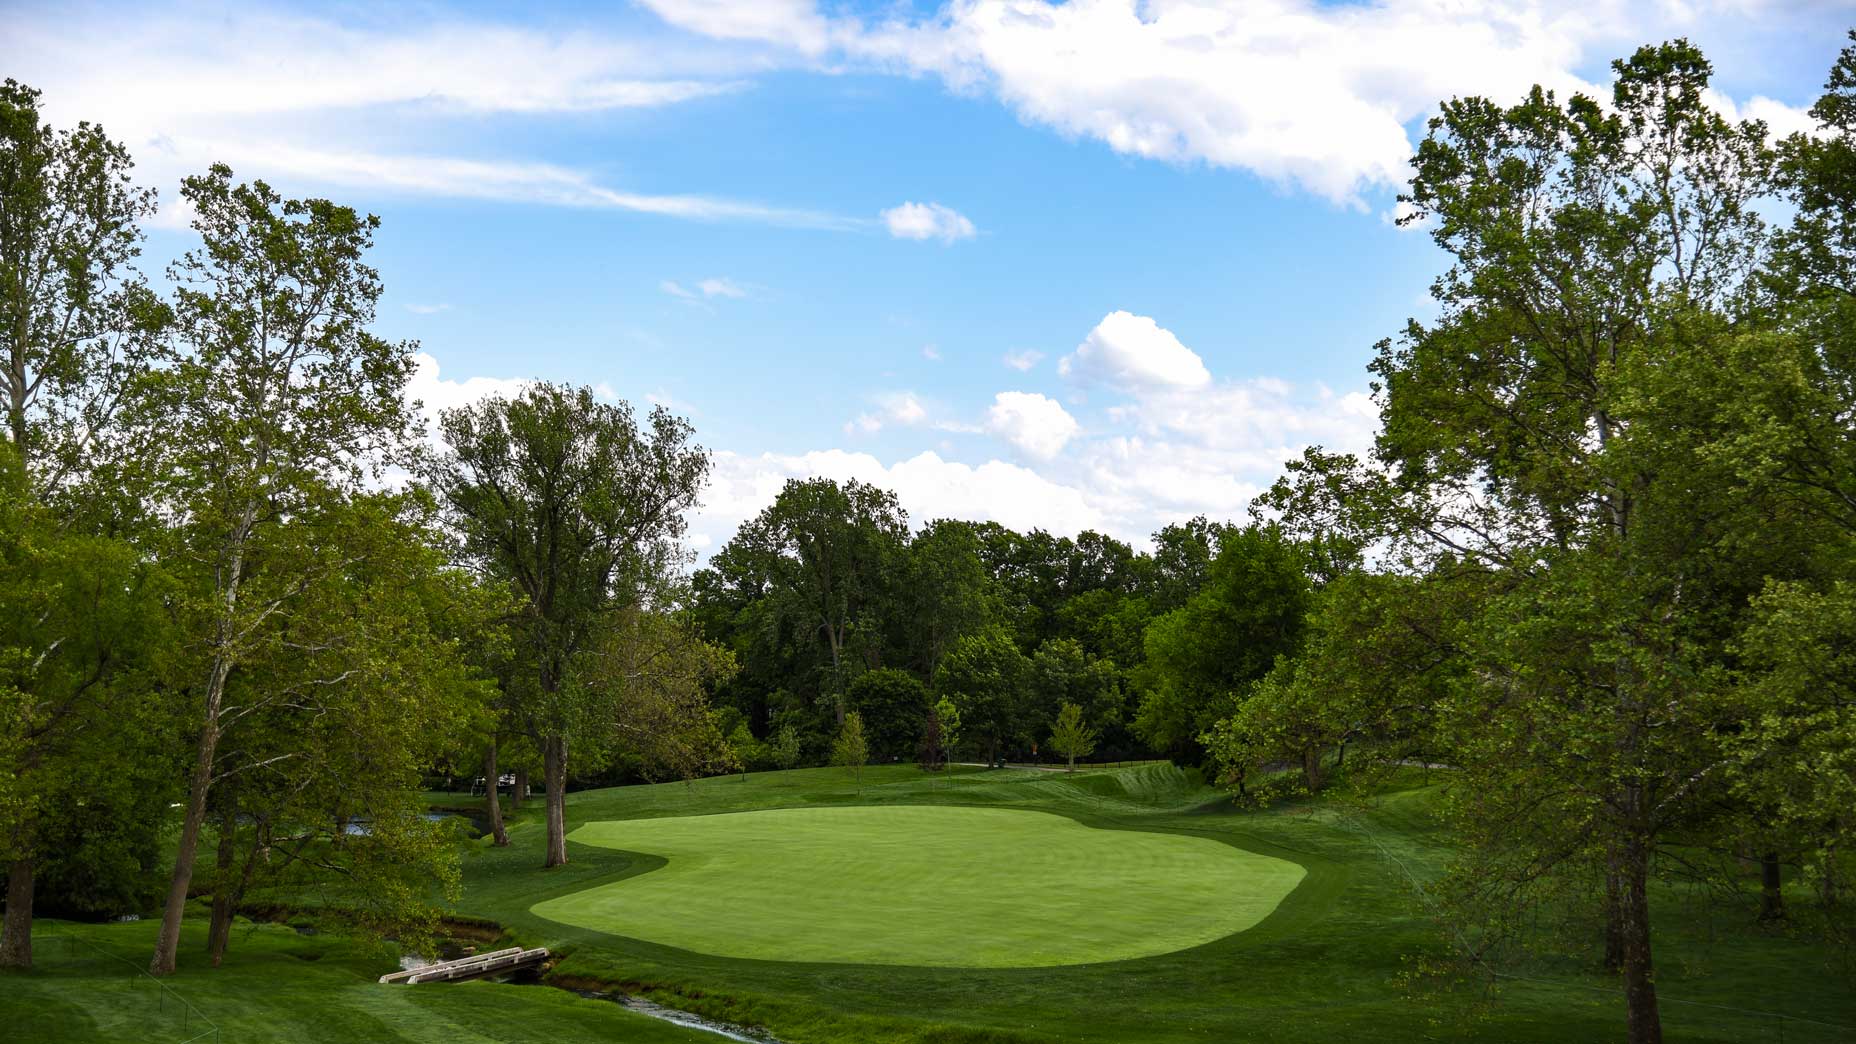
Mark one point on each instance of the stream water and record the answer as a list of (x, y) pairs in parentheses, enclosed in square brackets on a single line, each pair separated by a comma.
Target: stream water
[(688, 1020)]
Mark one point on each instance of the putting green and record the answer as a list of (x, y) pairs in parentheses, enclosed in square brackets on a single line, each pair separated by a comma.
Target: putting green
[(922, 885)]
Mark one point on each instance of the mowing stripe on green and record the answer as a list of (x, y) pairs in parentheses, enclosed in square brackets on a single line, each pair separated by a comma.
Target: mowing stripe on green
[(922, 885)]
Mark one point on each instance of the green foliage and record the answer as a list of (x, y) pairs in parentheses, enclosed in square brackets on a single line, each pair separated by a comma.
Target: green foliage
[(849, 750), (1071, 736), (891, 704), (1203, 655), (783, 749), (77, 321), (983, 676)]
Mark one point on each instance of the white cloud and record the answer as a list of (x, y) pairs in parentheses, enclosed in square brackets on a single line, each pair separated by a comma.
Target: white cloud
[(895, 408), (1166, 454), (931, 353), (927, 485), (721, 286), (928, 221), (251, 61), (1307, 93), (1132, 350), (676, 289), (1037, 425), (434, 393), (1024, 360), (310, 103), (428, 309), (791, 23)]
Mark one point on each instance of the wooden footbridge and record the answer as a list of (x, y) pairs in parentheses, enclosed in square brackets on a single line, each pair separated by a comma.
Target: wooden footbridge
[(476, 966)]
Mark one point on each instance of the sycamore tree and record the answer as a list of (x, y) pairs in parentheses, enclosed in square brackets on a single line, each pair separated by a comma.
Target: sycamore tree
[(580, 507), (342, 702), (272, 407), (1541, 430)]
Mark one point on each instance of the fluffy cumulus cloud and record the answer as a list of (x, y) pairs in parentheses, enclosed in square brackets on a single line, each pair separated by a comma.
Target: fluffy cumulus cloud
[(1134, 351), (928, 221), (927, 486), (1156, 454), (1039, 426), (1301, 92)]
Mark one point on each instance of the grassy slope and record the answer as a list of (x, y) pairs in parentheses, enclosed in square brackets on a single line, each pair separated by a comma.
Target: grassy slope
[(922, 885), (1325, 965)]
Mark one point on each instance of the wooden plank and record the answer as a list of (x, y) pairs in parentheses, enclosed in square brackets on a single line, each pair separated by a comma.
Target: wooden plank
[(475, 958), (491, 964)]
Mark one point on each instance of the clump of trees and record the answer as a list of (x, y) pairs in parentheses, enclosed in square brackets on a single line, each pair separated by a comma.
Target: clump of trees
[(211, 583), (1609, 516)]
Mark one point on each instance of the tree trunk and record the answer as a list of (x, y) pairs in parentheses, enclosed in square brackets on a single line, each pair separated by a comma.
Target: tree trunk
[(1311, 768), (498, 835), (1645, 1024), (519, 793), (1614, 920), (837, 673), (1771, 897), (16, 936), (1072, 763), (554, 771), (167, 943), (220, 929)]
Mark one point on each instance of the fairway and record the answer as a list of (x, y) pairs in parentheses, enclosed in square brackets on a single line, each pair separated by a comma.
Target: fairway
[(922, 885)]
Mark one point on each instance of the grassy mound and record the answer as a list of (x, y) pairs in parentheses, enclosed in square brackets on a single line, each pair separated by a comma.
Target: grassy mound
[(922, 885)]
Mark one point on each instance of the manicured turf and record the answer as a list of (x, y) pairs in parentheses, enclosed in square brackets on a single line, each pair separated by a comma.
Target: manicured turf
[(1341, 957), (922, 885)]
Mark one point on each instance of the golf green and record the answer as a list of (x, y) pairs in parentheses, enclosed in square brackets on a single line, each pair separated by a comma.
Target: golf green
[(922, 885)]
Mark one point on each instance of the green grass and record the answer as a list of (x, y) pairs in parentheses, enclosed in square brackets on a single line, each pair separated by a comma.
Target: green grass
[(924, 885), (1331, 962), (283, 987)]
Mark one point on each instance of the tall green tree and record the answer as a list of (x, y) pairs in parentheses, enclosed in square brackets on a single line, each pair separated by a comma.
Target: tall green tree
[(77, 325), (77, 321), (354, 689), (274, 405), (824, 557), (983, 675), (1536, 430), (580, 507), (891, 704), (1203, 655), (82, 652)]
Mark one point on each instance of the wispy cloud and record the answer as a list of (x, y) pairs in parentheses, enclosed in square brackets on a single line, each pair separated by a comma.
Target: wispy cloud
[(427, 309), (928, 221), (1023, 360)]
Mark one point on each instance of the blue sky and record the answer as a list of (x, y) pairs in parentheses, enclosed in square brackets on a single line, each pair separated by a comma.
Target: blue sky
[(1100, 265)]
